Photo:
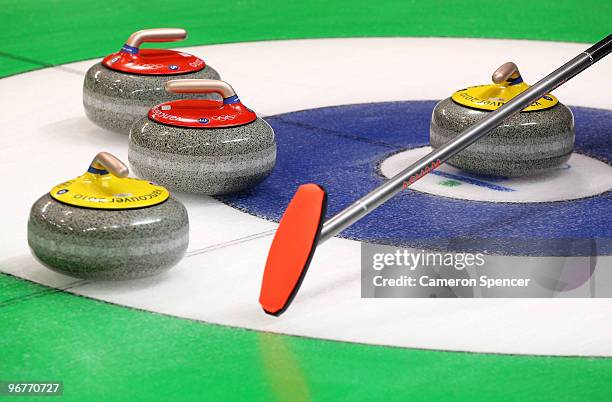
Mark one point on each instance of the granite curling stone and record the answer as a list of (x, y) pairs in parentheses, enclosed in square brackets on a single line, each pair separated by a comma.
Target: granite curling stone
[(104, 225), (202, 146), (125, 85), (538, 139)]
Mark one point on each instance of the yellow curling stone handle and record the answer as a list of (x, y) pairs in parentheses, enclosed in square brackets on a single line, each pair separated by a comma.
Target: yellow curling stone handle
[(507, 83), (105, 185)]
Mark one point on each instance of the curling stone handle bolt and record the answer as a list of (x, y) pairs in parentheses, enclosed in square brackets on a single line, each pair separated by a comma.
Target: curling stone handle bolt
[(156, 35), (505, 72), (107, 161), (201, 86)]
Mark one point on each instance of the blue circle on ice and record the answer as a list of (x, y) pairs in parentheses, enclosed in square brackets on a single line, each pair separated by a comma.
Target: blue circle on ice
[(341, 147)]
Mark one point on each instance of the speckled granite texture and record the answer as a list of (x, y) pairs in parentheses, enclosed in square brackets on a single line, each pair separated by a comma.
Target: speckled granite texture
[(204, 161), (114, 100), (527, 143), (108, 244)]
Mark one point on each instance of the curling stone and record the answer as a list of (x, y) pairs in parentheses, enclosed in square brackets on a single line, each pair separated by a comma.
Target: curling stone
[(104, 225), (539, 138), (202, 146), (125, 85)]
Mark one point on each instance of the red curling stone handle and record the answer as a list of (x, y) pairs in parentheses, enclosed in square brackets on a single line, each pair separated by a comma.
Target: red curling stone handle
[(156, 35), (203, 86)]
